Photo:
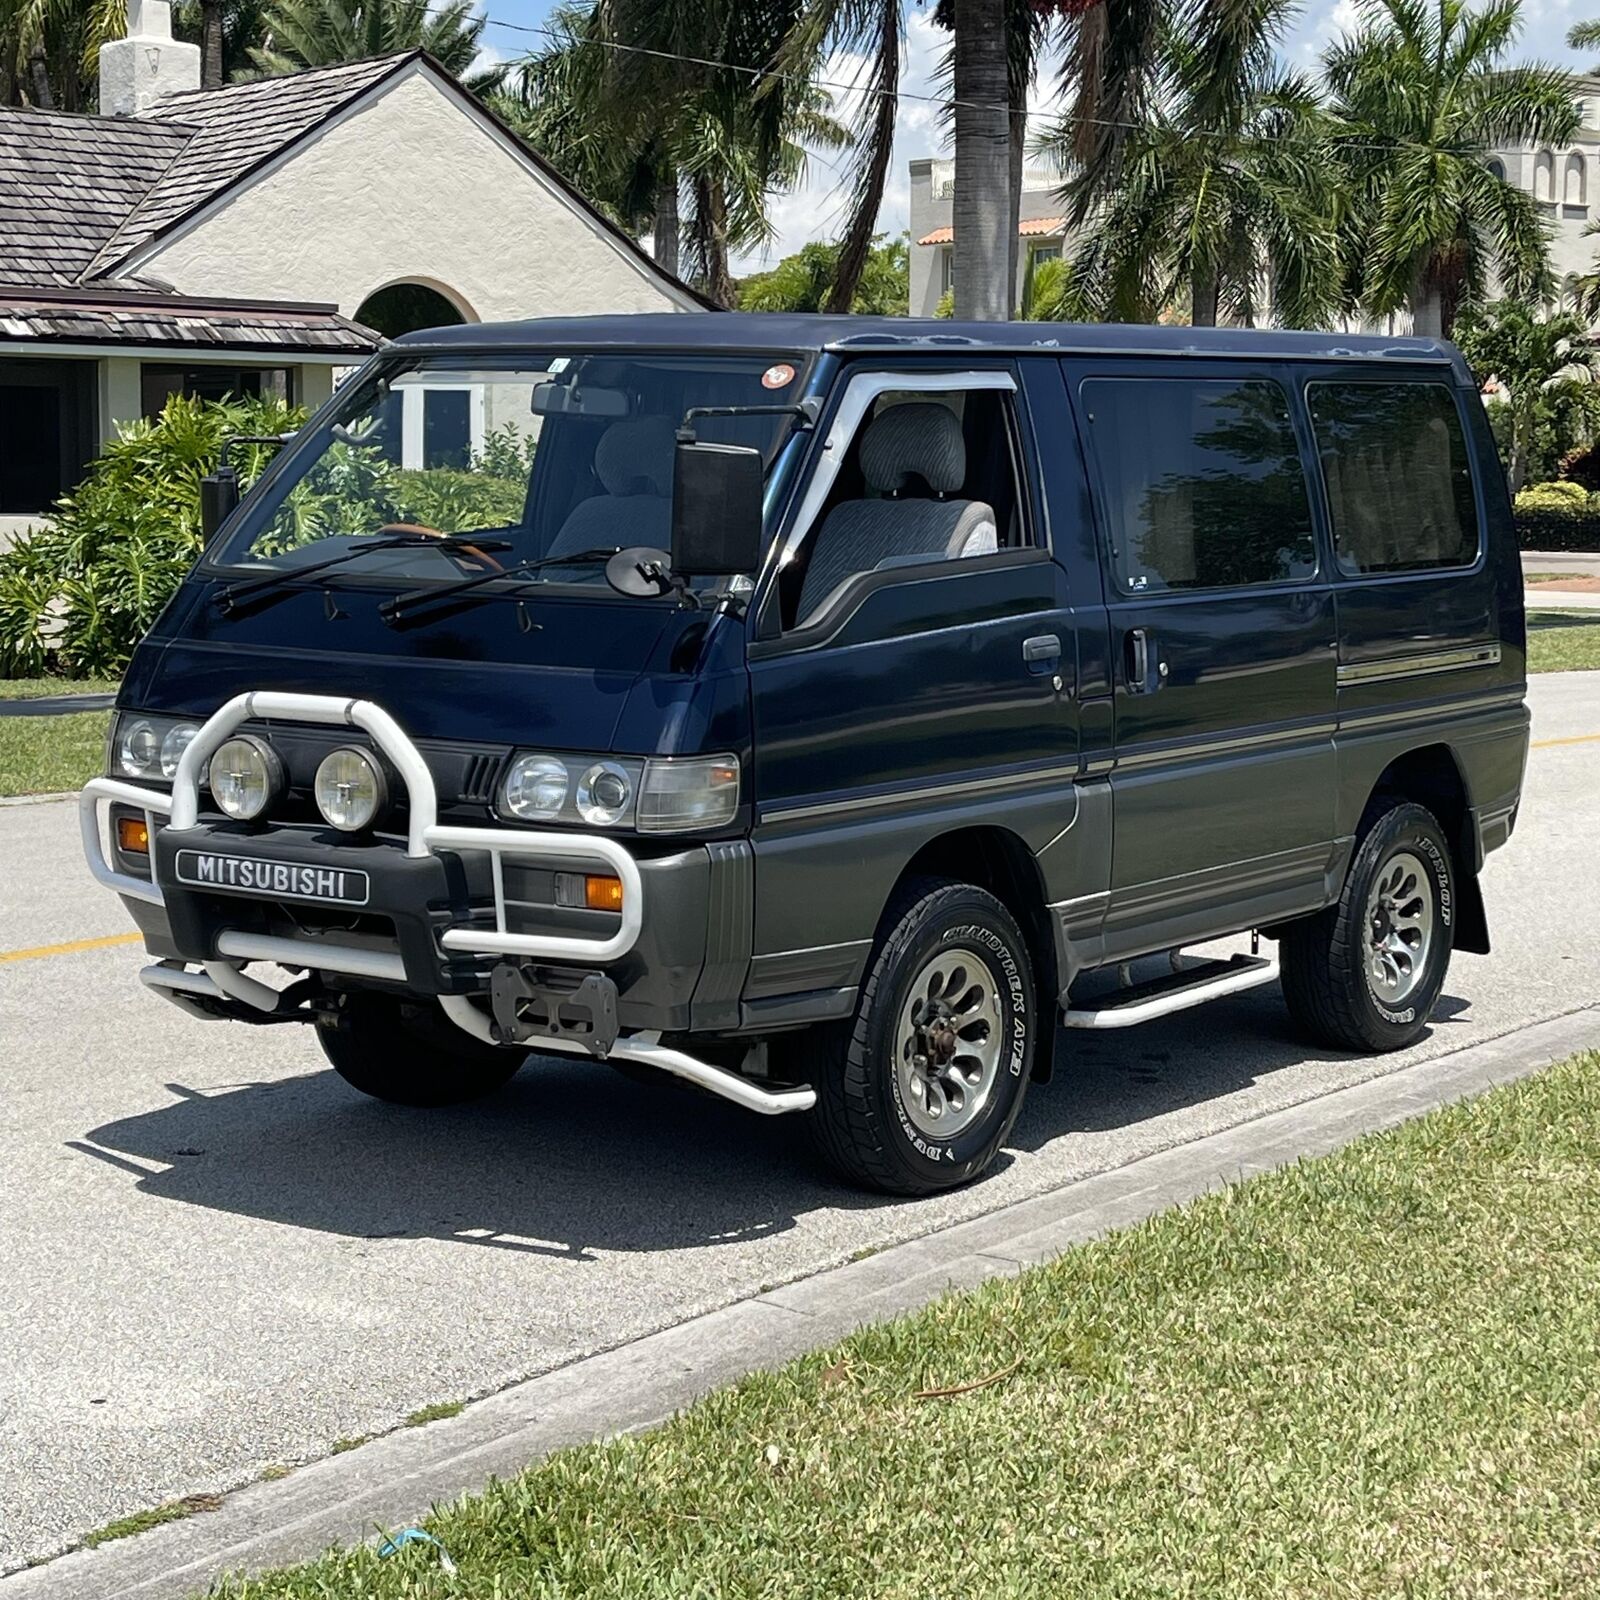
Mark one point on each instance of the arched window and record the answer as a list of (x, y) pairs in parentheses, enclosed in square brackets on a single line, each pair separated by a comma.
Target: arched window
[(1575, 181), (406, 307), (1544, 177), (1497, 167)]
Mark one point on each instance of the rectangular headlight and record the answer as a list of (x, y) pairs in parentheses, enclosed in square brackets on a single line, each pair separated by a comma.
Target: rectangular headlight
[(679, 796)]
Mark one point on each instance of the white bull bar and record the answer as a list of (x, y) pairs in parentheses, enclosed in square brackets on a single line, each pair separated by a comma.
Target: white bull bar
[(426, 836)]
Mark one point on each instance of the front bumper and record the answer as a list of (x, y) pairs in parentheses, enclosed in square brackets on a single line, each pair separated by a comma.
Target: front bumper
[(443, 906)]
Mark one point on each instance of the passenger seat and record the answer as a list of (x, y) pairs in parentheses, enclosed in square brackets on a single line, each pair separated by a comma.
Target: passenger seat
[(915, 440), (634, 463)]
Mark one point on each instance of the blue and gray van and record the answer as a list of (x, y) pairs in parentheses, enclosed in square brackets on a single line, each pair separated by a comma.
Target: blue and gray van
[(804, 707)]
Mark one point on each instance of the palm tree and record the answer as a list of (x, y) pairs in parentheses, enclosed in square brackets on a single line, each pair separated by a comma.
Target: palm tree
[(1421, 96), (1224, 190), (49, 50), (321, 33), (645, 105), (1535, 359), (1584, 36)]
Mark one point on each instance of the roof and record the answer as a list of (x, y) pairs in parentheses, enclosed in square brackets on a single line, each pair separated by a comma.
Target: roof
[(99, 316), (765, 332), (66, 182), (1028, 228), (232, 131), (80, 195)]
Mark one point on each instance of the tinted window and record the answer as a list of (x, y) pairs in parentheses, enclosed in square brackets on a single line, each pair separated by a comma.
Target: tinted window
[(1399, 488), (1201, 483)]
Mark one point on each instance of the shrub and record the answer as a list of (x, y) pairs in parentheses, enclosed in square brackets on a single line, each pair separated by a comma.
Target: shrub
[(77, 594), (1554, 496), (1558, 528)]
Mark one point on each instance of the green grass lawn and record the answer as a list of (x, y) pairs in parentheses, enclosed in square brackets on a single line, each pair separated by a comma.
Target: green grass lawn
[(1563, 641), (1531, 578), (1375, 1374), (41, 688), (45, 755)]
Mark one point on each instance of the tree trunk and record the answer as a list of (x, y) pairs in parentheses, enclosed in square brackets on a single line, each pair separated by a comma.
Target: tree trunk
[(1521, 439), (666, 227), (1018, 155), (857, 243), (982, 252), (1203, 299), (1427, 308), (39, 77), (210, 44), (711, 224)]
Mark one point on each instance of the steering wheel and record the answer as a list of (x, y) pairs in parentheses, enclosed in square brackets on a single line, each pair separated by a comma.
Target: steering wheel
[(427, 531)]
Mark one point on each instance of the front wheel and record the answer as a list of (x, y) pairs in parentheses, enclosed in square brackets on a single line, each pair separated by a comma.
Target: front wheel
[(920, 1092), (410, 1054), (1366, 973)]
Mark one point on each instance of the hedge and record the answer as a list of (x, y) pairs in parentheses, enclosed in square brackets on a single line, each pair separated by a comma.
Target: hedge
[(1558, 530)]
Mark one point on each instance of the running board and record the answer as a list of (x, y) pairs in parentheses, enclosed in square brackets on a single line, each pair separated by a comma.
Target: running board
[(1176, 991)]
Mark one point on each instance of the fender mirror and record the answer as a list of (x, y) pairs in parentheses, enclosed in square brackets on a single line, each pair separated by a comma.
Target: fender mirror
[(716, 509)]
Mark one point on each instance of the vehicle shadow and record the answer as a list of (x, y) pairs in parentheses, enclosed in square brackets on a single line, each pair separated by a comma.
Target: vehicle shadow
[(573, 1158)]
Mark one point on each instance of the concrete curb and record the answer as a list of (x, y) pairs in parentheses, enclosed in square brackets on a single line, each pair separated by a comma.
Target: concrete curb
[(37, 799), (343, 1498)]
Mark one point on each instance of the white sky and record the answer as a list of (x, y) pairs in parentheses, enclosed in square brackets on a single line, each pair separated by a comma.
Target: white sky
[(817, 209)]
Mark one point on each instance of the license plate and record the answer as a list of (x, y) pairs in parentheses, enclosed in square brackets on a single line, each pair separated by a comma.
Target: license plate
[(276, 880)]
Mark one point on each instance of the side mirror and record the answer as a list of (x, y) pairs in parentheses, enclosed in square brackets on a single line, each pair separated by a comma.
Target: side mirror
[(716, 509), (219, 498)]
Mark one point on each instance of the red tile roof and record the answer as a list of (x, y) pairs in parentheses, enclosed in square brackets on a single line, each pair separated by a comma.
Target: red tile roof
[(1030, 228)]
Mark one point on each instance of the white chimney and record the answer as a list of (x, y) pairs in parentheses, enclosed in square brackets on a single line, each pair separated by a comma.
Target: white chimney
[(149, 64)]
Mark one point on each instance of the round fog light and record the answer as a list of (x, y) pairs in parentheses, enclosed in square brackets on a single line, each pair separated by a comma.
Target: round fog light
[(245, 776), (350, 789)]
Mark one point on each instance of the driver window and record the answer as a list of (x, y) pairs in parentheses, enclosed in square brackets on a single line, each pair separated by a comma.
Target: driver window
[(929, 477)]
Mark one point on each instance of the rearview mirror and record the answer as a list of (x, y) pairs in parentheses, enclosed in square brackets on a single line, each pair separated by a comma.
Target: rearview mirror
[(577, 400), (716, 509)]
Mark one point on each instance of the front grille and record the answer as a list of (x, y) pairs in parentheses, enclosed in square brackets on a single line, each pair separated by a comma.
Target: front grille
[(478, 779)]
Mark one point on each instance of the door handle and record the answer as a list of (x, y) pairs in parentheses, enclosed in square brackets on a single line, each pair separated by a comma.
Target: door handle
[(1042, 647), (1137, 644)]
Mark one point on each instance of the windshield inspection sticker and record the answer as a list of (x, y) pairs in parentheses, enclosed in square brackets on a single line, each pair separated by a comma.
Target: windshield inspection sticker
[(777, 376)]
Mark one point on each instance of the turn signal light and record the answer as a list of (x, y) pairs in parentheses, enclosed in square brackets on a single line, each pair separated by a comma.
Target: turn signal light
[(133, 835), (602, 894)]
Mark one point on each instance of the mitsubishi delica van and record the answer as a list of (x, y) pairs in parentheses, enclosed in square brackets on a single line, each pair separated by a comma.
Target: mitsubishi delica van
[(807, 707)]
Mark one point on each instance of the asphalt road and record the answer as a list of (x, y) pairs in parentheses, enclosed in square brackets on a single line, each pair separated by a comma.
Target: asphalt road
[(216, 1257)]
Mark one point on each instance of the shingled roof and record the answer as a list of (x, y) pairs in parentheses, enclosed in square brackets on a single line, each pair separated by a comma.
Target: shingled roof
[(67, 183), (233, 130)]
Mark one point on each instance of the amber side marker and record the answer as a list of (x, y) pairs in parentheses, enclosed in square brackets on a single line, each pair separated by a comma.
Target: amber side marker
[(133, 835), (602, 894)]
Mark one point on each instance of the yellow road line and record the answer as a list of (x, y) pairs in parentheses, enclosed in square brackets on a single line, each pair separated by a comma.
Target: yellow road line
[(1550, 744), (71, 947)]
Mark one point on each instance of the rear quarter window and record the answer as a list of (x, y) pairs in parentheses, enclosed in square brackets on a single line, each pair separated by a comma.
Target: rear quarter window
[(1201, 483), (1399, 480)]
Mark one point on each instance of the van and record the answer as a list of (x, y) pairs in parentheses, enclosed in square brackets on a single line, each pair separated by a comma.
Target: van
[(808, 707)]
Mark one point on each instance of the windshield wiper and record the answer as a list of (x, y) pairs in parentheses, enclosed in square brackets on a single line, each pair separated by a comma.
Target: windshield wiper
[(235, 592), (393, 608)]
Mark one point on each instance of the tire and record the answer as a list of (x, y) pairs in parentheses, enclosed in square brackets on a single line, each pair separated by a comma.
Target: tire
[(866, 1124), (1335, 978), (410, 1054)]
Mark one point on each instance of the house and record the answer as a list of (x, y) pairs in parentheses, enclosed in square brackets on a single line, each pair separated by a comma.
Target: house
[(258, 238), (1042, 229)]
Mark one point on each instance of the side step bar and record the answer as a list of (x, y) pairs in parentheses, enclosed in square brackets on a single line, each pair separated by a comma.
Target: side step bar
[(1177, 991)]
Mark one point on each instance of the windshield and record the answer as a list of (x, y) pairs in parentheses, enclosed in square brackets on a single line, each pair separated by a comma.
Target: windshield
[(546, 456)]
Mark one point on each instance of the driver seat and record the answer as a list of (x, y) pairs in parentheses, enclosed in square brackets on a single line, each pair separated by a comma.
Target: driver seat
[(918, 439)]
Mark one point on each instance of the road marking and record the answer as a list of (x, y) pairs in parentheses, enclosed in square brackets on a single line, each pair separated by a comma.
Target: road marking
[(70, 948), (1577, 738)]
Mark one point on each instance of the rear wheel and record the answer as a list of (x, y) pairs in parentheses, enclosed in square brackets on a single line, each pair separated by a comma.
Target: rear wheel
[(1366, 973), (920, 1091), (409, 1053)]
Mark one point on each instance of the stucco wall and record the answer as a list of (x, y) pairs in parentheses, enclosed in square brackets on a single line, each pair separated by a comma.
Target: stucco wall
[(410, 187)]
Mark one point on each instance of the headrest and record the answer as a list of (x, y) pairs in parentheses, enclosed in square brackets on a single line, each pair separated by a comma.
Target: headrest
[(635, 456), (918, 437)]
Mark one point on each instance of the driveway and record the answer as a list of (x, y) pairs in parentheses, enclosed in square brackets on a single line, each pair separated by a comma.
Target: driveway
[(216, 1257)]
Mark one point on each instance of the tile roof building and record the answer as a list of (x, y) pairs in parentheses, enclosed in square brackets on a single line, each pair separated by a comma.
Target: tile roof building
[(244, 239)]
